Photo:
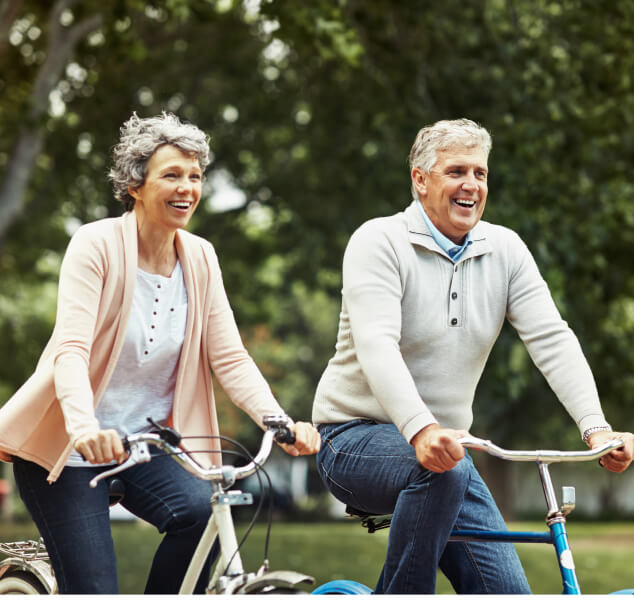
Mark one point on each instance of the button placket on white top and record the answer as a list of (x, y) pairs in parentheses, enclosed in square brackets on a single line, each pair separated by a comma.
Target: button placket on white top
[(156, 323)]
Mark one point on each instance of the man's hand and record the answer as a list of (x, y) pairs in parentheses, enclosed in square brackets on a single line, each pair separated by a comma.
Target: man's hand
[(438, 449), (307, 440), (101, 447), (619, 459)]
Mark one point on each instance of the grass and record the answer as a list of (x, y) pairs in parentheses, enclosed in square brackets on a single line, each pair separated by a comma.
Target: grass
[(604, 553)]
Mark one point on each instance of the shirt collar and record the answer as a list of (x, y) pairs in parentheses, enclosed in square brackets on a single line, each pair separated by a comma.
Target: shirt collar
[(454, 251)]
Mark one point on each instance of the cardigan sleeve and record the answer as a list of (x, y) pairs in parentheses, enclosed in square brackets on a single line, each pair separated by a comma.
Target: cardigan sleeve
[(550, 342), (230, 362), (79, 294), (373, 291)]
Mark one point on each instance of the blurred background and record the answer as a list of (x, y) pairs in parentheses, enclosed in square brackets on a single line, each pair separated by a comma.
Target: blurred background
[(312, 108)]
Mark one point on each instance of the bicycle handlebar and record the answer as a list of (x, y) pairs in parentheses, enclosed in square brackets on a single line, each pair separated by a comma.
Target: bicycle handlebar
[(543, 456), (277, 429)]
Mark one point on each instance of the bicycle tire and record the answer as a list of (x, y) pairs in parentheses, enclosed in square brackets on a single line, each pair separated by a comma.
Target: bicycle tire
[(17, 582), (342, 587)]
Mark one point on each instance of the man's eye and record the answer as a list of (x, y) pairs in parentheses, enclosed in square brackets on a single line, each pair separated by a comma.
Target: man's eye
[(481, 174)]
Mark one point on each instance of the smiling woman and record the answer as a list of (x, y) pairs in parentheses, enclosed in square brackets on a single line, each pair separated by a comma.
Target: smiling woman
[(142, 320)]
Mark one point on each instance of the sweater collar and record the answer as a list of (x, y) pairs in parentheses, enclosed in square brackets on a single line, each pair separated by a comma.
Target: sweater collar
[(420, 235)]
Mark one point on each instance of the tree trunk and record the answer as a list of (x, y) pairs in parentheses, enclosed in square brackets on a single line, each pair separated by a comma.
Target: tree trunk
[(62, 42)]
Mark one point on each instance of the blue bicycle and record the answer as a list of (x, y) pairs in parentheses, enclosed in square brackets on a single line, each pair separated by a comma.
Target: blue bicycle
[(555, 517)]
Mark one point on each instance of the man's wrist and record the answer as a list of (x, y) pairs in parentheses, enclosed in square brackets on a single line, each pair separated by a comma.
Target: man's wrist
[(590, 431)]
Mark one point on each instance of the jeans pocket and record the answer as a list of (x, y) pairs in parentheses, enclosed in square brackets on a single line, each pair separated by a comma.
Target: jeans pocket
[(326, 460)]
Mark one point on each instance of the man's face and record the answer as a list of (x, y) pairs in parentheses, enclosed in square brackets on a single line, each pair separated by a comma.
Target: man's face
[(454, 193)]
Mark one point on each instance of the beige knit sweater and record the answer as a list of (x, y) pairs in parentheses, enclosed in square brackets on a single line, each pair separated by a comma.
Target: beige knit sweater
[(416, 330)]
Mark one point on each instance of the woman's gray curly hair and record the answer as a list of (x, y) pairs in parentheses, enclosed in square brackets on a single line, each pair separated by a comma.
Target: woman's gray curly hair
[(444, 135), (138, 142)]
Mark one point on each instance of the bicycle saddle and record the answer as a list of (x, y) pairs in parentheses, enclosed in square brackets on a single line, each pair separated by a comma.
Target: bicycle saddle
[(116, 490)]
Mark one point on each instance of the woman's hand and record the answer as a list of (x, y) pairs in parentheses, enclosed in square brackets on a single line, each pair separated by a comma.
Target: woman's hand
[(307, 440), (103, 446)]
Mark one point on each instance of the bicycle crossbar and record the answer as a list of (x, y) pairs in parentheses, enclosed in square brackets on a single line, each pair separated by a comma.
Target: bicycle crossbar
[(501, 537)]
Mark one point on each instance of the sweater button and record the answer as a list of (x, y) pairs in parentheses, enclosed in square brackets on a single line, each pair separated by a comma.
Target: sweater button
[(454, 295), (454, 321)]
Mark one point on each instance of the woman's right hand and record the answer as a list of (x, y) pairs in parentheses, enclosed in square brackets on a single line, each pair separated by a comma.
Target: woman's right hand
[(103, 446)]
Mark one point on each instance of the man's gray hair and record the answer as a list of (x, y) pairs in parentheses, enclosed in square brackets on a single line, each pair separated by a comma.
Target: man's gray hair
[(138, 142), (443, 135)]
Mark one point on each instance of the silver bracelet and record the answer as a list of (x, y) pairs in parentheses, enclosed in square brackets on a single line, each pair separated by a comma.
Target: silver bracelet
[(591, 431)]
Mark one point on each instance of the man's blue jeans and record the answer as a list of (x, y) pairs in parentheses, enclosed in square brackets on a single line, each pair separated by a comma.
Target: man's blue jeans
[(371, 467), (74, 521)]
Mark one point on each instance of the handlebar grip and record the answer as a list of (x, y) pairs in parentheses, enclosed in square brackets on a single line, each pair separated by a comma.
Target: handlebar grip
[(285, 435)]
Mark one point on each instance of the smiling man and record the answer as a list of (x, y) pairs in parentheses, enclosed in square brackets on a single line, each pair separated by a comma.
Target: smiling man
[(425, 295)]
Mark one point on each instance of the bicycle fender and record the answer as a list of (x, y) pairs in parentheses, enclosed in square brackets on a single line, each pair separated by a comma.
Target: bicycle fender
[(277, 579), (40, 569), (342, 587)]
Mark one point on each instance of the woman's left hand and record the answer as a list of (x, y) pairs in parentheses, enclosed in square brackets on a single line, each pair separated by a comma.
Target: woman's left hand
[(307, 440)]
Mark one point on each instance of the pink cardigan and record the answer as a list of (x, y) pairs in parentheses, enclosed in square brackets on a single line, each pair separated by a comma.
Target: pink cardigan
[(96, 289)]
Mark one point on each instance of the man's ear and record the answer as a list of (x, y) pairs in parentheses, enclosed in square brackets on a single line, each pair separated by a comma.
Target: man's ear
[(419, 180)]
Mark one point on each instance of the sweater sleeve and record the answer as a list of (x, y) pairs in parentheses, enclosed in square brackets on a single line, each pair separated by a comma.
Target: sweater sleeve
[(79, 294), (373, 291), (550, 342), (232, 365)]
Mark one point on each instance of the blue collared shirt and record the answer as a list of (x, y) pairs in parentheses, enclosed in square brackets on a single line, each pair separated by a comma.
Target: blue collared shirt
[(454, 252)]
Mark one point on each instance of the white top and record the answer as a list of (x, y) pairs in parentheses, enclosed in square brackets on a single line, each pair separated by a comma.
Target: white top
[(415, 329), (143, 381)]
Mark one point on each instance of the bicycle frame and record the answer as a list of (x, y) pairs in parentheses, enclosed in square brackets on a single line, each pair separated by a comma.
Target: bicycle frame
[(556, 515), (556, 534), (229, 576)]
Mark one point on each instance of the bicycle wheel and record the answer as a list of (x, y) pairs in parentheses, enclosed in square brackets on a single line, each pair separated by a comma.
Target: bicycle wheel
[(21, 583), (342, 587)]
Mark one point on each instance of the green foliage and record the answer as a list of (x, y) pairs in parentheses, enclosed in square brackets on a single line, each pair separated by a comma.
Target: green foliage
[(329, 551), (312, 108)]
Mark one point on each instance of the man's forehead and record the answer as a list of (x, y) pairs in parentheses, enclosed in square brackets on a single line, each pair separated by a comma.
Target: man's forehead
[(462, 157)]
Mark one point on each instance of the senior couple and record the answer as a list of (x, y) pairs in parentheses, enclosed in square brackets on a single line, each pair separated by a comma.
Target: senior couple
[(143, 320)]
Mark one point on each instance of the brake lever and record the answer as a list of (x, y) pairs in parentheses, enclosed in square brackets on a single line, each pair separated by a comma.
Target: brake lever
[(139, 453)]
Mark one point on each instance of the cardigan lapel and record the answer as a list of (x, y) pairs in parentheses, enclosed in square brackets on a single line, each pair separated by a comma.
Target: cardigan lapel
[(129, 261)]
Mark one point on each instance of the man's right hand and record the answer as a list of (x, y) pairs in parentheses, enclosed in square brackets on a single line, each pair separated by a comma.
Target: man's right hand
[(101, 447), (438, 449)]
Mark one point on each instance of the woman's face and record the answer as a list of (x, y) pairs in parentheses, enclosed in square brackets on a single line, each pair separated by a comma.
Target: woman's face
[(171, 191)]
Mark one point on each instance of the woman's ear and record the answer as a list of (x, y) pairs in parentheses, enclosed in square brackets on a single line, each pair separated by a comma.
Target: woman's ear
[(134, 192)]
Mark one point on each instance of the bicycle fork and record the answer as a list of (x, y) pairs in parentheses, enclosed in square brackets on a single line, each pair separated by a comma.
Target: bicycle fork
[(220, 525), (556, 521)]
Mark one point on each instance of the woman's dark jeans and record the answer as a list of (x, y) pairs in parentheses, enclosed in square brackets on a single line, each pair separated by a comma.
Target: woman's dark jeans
[(74, 521), (371, 467)]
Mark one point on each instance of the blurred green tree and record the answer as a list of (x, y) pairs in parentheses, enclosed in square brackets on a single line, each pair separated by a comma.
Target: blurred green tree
[(312, 108)]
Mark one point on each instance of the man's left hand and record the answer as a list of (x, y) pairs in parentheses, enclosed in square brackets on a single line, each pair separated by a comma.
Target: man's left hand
[(619, 459), (307, 440)]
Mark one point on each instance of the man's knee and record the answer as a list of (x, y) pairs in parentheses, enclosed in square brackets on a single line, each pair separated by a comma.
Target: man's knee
[(450, 485)]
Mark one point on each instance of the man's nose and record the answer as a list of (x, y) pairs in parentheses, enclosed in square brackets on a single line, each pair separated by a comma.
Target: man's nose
[(470, 182)]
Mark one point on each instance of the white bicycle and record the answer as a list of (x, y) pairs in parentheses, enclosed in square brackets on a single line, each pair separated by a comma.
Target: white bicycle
[(28, 571)]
